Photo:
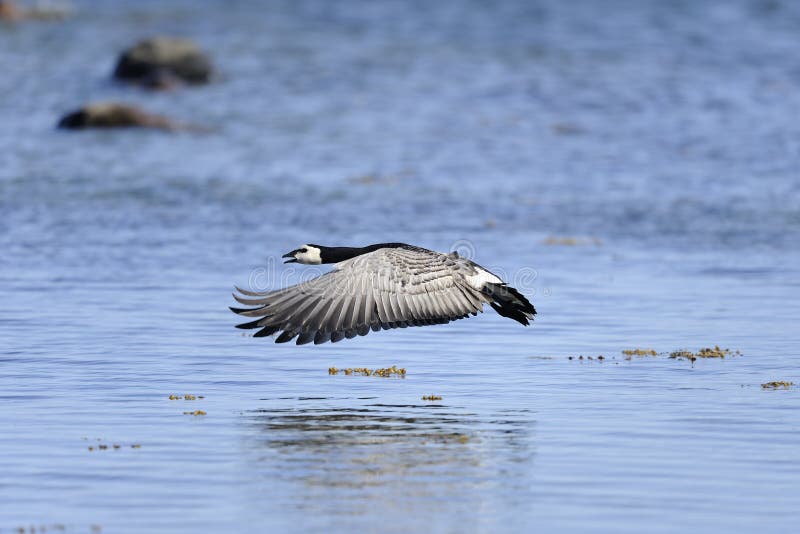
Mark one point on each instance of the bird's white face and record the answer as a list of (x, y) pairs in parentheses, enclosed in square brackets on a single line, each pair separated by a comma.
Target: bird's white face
[(307, 254)]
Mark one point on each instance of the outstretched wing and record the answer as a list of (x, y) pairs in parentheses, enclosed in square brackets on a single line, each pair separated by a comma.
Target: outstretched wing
[(386, 288)]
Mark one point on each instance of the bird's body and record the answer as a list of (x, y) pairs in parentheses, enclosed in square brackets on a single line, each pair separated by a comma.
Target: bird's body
[(381, 286)]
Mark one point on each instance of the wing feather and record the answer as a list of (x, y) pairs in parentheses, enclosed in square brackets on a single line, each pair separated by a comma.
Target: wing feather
[(384, 289)]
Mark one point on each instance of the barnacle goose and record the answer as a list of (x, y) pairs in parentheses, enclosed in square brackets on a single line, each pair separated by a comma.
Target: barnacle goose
[(381, 286)]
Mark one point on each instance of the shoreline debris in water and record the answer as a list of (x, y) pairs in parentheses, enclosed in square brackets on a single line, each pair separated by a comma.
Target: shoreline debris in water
[(186, 397), (431, 397), (779, 384), (387, 372), (196, 412)]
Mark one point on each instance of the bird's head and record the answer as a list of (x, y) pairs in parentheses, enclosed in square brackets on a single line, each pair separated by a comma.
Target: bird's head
[(307, 254)]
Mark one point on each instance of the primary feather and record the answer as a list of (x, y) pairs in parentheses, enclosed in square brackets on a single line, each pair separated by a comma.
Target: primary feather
[(391, 287)]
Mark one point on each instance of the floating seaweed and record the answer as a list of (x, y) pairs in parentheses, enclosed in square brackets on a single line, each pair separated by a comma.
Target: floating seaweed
[(779, 384), (683, 355), (196, 412), (706, 352), (58, 527), (431, 397), (186, 397), (629, 353), (113, 446), (716, 352), (387, 372)]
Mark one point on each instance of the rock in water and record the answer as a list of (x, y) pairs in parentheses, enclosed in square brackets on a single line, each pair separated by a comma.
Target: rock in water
[(9, 11), (154, 62), (114, 115)]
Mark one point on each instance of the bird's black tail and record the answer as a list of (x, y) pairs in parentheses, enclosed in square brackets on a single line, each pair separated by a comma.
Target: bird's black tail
[(510, 303)]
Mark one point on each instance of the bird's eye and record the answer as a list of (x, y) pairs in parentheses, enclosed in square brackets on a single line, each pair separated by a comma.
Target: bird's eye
[(303, 250)]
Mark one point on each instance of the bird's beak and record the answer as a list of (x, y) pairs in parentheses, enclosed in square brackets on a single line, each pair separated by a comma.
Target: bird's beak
[(291, 257)]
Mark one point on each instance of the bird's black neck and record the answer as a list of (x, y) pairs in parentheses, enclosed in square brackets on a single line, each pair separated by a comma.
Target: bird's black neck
[(337, 254)]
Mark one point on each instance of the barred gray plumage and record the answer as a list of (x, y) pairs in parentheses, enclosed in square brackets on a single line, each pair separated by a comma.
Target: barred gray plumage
[(379, 287)]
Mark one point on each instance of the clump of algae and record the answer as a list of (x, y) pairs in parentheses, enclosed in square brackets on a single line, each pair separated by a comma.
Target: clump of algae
[(715, 352), (196, 412), (387, 372), (706, 352), (431, 397), (629, 353), (780, 384), (683, 354)]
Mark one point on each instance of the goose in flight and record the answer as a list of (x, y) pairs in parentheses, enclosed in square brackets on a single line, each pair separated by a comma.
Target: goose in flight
[(382, 286)]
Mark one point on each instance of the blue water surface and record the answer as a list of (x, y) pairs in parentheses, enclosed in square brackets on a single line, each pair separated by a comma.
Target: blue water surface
[(630, 166)]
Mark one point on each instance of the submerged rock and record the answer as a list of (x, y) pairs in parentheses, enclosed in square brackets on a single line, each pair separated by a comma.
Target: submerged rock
[(114, 115), (161, 62)]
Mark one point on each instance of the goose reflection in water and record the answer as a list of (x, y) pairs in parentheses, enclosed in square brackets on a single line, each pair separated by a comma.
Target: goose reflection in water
[(411, 451)]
